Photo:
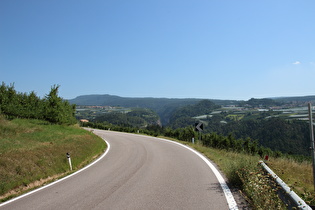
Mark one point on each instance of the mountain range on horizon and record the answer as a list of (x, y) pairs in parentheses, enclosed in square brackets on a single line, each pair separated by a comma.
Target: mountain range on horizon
[(100, 99), (165, 106)]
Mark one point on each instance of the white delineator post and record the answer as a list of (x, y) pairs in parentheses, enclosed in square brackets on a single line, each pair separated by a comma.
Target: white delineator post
[(69, 160)]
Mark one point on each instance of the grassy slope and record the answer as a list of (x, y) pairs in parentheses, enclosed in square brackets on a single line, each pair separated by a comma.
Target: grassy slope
[(33, 150)]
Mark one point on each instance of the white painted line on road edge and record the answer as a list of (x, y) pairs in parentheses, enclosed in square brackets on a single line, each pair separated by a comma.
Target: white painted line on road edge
[(55, 182), (227, 192)]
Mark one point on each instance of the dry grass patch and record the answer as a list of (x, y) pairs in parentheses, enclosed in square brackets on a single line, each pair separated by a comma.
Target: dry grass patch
[(38, 183), (298, 176)]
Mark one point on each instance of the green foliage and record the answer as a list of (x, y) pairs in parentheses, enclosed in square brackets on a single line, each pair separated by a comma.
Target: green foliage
[(260, 188), (214, 140), (182, 116), (57, 110), (296, 99), (264, 131), (52, 108), (162, 106), (138, 117), (165, 107), (32, 150), (263, 103), (276, 133), (243, 172)]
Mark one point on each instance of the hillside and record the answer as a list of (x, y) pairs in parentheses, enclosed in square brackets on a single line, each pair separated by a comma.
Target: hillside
[(33, 153), (157, 103), (162, 106), (296, 99), (137, 117), (268, 121), (165, 107), (111, 100), (184, 116)]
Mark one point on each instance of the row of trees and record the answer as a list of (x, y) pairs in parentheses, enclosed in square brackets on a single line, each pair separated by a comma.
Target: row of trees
[(51, 108), (230, 143), (288, 136), (246, 145)]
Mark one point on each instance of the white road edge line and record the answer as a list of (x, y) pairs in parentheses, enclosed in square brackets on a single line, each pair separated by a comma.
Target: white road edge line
[(59, 180), (227, 192)]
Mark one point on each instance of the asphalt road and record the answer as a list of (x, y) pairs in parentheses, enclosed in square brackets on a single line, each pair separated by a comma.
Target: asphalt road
[(138, 172)]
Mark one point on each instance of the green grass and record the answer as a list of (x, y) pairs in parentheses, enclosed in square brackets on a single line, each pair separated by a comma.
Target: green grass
[(33, 150)]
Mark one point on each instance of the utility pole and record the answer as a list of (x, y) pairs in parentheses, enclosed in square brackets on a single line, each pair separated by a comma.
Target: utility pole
[(312, 138)]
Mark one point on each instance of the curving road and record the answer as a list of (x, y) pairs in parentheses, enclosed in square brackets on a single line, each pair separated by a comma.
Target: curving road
[(138, 172)]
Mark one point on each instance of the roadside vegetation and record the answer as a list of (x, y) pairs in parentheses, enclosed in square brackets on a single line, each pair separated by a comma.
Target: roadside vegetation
[(35, 135), (238, 160), (33, 153), (243, 171)]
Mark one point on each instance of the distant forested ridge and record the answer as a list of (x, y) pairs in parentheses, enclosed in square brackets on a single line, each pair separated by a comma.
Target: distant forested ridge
[(263, 127), (139, 117), (295, 99), (164, 107), (52, 108), (183, 116), (264, 102)]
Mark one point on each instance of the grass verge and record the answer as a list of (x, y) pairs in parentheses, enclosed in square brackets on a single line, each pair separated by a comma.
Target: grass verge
[(33, 153), (242, 171)]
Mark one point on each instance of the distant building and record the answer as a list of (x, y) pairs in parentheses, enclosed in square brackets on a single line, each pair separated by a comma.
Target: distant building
[(84, 120)]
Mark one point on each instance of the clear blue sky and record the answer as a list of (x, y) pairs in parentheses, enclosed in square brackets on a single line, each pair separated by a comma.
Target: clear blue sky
[(210, 49)]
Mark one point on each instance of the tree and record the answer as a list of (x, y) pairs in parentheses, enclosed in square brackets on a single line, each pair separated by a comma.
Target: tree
[(53, 105), (57, 110)]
